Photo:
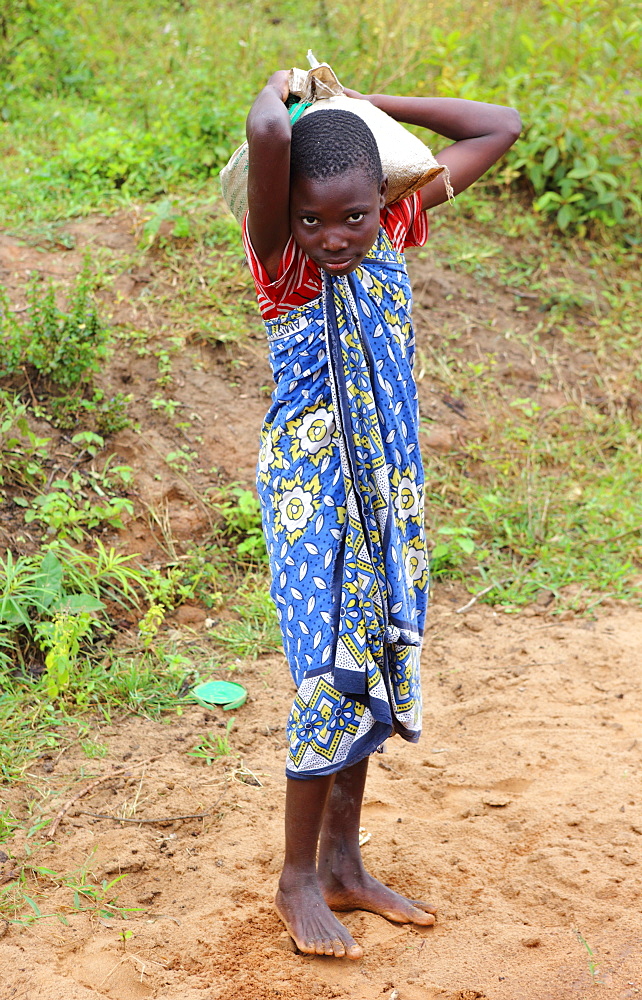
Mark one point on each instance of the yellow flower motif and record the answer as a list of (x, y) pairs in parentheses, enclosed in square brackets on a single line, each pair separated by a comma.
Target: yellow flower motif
[(416, 564), (295, 504), (400, 298), (270, 455), (313, 435), (406, 496)]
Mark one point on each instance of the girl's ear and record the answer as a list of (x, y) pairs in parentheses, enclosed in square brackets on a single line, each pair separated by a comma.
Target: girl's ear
[(383, 191)]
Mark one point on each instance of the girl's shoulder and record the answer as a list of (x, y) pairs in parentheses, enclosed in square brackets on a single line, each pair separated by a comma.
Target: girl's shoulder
[(299, 280), (405, 223)]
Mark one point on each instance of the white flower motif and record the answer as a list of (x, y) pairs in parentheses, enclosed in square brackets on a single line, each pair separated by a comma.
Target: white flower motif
[(266, 455), (407, 498), (415, 563), (315, 431), (296, 509)]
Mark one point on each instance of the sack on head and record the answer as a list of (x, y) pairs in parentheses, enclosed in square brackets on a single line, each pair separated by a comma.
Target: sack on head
[(406, 160)]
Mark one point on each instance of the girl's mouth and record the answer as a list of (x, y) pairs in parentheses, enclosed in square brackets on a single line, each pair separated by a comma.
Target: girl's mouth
[(337, 265)]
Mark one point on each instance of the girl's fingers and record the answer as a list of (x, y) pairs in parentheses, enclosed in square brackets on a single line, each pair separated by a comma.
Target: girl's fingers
[(281, 82), (354, 93)]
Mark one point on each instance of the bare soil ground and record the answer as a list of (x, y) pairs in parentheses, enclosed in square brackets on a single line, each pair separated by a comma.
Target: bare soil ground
[(519, 814)]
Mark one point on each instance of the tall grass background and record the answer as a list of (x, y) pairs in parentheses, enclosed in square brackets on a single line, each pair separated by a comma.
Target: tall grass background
[(113, 99)]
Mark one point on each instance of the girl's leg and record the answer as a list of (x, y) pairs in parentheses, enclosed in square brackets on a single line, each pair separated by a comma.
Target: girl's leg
[(299, 901), (345, 883)]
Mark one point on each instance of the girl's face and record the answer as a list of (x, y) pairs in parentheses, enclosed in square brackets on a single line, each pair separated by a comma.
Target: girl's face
[(336, 221)]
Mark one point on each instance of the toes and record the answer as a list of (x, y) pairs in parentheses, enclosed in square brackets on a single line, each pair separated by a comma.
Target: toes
[(354, 951), (412, 915), (408, 914), (338, 948), (426, 907), (421, 913)]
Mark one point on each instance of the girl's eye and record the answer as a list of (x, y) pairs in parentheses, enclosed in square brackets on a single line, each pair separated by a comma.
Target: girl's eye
[(356, 217), (309, 220)]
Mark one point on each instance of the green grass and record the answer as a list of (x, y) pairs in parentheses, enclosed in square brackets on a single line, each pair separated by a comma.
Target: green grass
[(545, 492), (103, 687), (254, 630), (116, 101)]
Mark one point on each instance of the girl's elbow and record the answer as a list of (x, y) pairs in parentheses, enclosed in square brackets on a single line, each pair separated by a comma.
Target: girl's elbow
[(513, 124), (268, 128)]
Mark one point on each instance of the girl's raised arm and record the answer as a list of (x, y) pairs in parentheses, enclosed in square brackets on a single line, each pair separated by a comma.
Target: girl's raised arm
[(482, 133), (269, 134)]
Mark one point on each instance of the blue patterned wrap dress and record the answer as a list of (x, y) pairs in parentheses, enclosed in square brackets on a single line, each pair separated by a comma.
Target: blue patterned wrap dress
[(340, 480)]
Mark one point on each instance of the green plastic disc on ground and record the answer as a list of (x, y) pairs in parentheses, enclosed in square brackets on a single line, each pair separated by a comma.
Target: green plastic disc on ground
[(223, 693)]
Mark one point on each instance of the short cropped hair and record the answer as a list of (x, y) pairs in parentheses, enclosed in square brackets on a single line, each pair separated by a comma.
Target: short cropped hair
[(332, 142)]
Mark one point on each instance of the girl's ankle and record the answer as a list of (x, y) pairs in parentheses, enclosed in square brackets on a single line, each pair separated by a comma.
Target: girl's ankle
[(293, 879)]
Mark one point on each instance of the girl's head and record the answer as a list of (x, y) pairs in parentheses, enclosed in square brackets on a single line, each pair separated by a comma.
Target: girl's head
[(337, 189)]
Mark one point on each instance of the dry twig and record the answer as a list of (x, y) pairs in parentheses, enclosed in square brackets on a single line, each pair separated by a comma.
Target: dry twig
[(135, 819), (160, 819), (118, 772), (480, 593)]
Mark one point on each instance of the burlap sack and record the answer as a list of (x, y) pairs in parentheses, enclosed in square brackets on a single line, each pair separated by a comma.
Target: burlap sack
[(406, 160)]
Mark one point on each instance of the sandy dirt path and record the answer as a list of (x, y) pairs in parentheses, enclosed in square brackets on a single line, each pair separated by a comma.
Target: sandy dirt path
[(519, 814)]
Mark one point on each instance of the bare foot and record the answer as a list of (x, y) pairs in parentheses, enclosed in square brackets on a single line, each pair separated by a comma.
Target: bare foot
[(360, 891), (311, 925)]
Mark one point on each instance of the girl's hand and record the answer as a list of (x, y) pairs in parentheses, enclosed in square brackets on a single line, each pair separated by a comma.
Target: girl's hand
[(355, 94), (281, 83), (481, 132)]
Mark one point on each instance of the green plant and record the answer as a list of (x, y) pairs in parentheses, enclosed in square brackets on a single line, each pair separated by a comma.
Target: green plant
[(32, 590), (60, 639), (573, 184), (450, 554), (180, 460), (254, 631), (578, 148), (104, 573), (168, 589), (22, 452), (150, 623), (166, 211), (93, 749), (67, 512), (212, 746), (240, 511), (84, 501), (8, 823), (43, 599), (592, 964), (87, 895), (109, 415), (168, 406), (65, 347), (97, 897)]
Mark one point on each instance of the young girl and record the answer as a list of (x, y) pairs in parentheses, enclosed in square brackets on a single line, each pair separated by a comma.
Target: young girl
[(340, 475)]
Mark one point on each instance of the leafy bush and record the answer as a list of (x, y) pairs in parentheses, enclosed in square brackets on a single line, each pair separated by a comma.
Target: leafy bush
[(47, 600), (64, 347), (39, 50), (98, 124), (579, 150), (22, 452), (191, 145), (241, 514)]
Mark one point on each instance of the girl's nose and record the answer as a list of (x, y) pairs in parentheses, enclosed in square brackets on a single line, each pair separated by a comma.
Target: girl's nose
[(334, 240)]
